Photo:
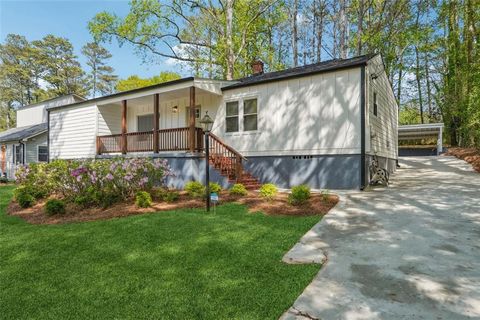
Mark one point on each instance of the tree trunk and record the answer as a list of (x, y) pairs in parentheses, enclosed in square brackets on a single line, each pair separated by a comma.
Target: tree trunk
[(295, 33), (343, 29), (400, 76), (319, 29), (429, 94), (419, 84), (229, 35), (360, 27)]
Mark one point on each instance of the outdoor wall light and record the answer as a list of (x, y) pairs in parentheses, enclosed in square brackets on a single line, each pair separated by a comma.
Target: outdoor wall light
[(175, 109)]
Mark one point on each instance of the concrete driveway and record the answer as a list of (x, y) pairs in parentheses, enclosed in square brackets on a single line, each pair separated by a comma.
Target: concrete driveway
[(410, 251)]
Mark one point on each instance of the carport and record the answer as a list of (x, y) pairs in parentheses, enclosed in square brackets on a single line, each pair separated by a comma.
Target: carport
[(420, 132)]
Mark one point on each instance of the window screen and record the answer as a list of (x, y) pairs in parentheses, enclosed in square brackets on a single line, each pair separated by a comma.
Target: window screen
[(42, 154), (145, 123), (18, 154), (232, 116), (250, 115)]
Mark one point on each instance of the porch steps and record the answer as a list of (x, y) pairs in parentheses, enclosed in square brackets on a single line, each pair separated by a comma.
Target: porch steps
[(224, 165), (228, 162)]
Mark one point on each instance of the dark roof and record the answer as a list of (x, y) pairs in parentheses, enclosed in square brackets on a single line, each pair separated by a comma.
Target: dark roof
[(17, 134), (302, 71), (75, 97), (155, 86)]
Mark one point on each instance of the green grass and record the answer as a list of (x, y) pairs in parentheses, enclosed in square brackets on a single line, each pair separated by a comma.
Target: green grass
[(182, 264)]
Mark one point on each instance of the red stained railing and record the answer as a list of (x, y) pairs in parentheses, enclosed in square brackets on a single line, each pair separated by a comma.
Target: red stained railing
[(175, 139)]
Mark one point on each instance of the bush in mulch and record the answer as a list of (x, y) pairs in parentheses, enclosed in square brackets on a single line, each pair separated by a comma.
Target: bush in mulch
[(470, 155), (318, 204)]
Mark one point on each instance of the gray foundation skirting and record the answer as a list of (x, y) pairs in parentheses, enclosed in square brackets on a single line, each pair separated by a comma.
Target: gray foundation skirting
[(318, 171)]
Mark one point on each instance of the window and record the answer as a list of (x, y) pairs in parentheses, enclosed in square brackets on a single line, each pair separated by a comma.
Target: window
[(18, 154), (42, 154), (198, 113), (145, 123), (232, 116), (375, 106), (250, 115)]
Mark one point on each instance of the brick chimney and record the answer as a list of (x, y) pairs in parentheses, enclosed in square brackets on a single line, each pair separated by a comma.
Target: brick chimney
[(257, 67)]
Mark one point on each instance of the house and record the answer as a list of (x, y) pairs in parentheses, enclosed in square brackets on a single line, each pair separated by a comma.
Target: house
[(319, 124), (27, 142)]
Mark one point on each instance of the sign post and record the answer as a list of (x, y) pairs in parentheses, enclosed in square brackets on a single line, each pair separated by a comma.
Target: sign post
[(214, 200)]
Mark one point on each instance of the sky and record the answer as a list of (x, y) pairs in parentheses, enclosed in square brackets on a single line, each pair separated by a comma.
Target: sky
[(69, 19)]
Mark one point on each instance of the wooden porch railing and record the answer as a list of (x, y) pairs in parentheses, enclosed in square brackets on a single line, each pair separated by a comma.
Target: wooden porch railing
[(225, 158), (175, 139), (222, 156)]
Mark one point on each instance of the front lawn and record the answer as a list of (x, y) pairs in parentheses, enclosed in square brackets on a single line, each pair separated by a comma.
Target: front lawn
[(182, 264)]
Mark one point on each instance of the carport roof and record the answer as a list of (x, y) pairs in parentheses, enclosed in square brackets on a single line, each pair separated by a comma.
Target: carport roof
[(419, 131)]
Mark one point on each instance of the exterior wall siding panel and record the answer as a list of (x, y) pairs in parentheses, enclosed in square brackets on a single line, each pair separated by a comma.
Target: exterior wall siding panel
[(313, 115), (72, 132)]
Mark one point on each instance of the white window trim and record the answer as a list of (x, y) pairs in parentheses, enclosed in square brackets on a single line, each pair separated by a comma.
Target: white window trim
[(38, 152), (240, 100)]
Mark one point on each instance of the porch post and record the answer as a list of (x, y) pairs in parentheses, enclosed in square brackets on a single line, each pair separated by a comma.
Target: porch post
[(156, 115), (124, 126), (191, 136)]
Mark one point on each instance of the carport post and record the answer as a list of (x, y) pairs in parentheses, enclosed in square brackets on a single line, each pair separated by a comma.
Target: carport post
[(439, 141)]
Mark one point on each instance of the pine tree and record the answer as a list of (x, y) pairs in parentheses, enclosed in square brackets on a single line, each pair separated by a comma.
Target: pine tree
[(101, 78)]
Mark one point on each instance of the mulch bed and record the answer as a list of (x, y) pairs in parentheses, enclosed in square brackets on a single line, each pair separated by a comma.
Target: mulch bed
[(280, 206), (470, 155)]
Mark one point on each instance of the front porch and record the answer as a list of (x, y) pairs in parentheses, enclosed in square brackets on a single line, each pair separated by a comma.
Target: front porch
[(163, 124)]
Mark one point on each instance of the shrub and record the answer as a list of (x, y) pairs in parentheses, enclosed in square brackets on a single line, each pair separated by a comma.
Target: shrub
[(171, 196), (215, 187), (238, 189), (35, 177), (143, 199), (99, 182), (268, 191), (24, 197), (325, 195), (54, 206), (162, 194), (299, 195), (3, 180), (195, 189)]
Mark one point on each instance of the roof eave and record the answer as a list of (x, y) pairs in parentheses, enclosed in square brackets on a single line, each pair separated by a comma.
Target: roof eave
[(126, 93), (350, 66)]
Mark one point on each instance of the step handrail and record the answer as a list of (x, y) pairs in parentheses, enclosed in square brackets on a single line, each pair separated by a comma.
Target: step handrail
[(226, 146)]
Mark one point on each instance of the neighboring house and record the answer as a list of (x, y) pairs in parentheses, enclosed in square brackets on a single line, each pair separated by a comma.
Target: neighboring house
[(318, 124), (27, 143)]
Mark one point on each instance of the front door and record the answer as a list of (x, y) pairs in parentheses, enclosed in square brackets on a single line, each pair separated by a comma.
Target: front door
[(198, 113)]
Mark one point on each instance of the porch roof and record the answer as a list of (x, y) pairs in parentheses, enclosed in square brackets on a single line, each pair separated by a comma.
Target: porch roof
[(209, 85), (17, 134)]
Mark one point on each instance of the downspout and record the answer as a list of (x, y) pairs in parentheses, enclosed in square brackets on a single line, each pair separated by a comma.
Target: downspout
[(362, 130), (48, 136), (23, 151)]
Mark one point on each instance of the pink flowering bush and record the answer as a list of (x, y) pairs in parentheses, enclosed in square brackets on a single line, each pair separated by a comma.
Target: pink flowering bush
[(95, 182)]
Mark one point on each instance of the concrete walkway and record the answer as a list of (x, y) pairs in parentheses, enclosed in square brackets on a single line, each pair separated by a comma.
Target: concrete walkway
[(410, 251)]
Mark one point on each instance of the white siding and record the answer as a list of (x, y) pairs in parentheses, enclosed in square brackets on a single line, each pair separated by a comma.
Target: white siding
[(382, 129), (32, 147), (29, 116), (36, 113), (109, 119), (312, 115), (73, 132)]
